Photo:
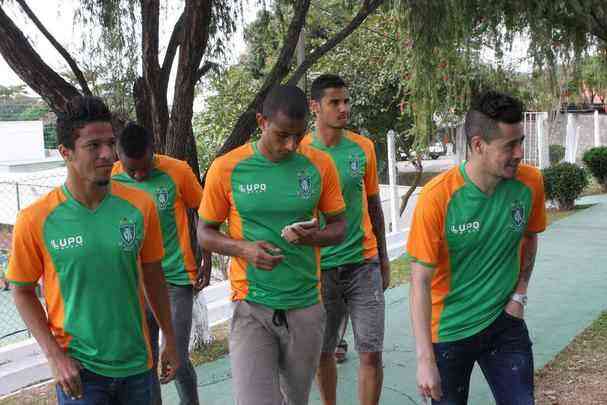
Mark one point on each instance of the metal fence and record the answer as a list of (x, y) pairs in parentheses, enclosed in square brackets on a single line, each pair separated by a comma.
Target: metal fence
[(14, 196)]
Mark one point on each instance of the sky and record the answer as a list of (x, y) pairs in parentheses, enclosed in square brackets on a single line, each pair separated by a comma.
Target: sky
[(57, 16)]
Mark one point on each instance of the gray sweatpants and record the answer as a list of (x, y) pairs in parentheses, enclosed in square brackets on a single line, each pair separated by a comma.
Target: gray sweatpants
[(274, 354)]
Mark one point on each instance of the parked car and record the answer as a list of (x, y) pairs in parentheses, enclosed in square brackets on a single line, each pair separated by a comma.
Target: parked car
[(436, 149)]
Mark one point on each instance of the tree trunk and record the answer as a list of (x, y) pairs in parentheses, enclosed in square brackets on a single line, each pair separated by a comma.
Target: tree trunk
[(27, 64), (180, 138), (419, 168), (143, 110), (155, 94)]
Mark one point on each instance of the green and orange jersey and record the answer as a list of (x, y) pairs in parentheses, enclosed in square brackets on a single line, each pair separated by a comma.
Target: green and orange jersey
[(474, 242), (90, 264), (259, 198), (174, 187), (354, 157)]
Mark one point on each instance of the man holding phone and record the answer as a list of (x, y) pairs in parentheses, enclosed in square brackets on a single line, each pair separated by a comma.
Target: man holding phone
[(261, 188)]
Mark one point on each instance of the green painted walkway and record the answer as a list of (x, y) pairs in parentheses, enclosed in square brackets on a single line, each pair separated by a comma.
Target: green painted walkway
[(568, 291)]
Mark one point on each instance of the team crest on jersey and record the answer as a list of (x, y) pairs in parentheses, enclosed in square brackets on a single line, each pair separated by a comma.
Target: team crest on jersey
[(162, 198), (304, 181), (355, 165), (127, 234), (518, 215)]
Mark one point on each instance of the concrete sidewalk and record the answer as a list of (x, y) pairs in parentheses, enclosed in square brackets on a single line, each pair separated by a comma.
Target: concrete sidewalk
[(567, 293)]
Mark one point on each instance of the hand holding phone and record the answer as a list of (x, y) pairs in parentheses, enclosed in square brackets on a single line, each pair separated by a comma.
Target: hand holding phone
[(290, 234)]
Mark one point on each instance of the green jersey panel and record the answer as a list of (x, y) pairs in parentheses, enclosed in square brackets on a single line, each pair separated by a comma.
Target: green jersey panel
[(108, 240)]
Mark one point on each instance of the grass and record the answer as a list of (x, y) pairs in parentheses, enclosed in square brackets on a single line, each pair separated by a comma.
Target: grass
[(593, 188), (215, 350), (41, 394), (577, 375), (555, 215), (400, 271)]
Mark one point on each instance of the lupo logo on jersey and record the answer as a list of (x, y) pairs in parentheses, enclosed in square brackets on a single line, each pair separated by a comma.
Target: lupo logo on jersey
[(253, 188), (304, 181), (70, 242), (128, 235), (162, 198), (468, 227), (518, 215)]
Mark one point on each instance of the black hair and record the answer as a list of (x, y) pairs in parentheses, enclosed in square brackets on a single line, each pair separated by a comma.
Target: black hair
[(323, 82), (289, 100), (489, 109), (134, 140), (80, 111)]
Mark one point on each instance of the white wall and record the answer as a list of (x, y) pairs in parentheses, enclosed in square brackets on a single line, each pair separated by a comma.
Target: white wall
[(21, 140)]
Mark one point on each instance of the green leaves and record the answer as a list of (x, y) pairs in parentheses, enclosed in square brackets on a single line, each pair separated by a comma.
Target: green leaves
[(563, 183), (595, 160)]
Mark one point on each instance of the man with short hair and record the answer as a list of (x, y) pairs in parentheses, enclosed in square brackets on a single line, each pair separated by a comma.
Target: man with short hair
[(97, 246), (473, 241), (356, 272), (175, 188), (262, 188)]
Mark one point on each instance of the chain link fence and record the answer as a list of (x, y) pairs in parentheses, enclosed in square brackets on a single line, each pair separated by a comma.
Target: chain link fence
[(15, 194)]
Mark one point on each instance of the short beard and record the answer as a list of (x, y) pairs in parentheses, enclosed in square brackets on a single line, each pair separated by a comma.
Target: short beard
[(338, 126), (102, 183)]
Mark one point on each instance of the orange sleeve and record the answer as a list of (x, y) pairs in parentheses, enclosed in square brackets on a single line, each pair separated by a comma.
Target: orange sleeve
[(191, 190), (215, 205), (331, 200), (117, 168), (537, 216), (371, 179), (26, 262), (426, 233), (152, 249)]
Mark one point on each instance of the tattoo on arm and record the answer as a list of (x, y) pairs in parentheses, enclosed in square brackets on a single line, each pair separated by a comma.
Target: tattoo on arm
[(529, 253), (376, 215)]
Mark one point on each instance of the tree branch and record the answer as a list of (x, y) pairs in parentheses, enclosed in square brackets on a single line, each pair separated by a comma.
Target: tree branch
[(246, 123), (204, 69), (419, 169), (169, 56), (599, 28), (367, 8), (27, 64), (62, 51)]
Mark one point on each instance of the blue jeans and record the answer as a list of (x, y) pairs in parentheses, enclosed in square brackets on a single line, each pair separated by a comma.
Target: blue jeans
[(503, 352), (100, 390), (182, 301)]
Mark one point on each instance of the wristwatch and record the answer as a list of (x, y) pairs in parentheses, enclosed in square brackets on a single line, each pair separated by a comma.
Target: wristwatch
[(520, 298)]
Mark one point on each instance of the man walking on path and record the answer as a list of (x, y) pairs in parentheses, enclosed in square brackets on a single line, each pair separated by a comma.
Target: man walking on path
[(97, 245), (473, 241), (356, 272), (261, 189), (174, 187)]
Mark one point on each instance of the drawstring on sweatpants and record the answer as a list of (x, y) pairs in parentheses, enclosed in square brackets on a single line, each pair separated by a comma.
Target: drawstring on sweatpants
[(280, 318)]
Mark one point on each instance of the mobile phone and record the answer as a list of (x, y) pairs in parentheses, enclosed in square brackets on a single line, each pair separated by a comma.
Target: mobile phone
[(305, 223)]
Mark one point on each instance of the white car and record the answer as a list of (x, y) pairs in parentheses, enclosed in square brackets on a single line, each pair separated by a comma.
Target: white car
[(436, 149)]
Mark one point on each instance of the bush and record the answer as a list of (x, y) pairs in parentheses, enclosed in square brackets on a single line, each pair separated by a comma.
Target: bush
[(556, 153), (596, 161), (563, 183)]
